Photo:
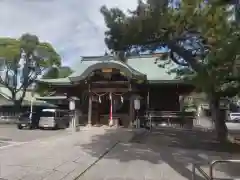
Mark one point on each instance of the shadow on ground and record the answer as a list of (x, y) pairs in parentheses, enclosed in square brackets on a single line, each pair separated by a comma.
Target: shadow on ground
[(178, 149)]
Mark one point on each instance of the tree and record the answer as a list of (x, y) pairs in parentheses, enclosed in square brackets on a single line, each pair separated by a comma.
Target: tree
[(53, 73), (200, 39), (24, 59), (57, 72)]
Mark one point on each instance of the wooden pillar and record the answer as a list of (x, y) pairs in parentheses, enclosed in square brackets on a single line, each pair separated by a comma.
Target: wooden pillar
[(131, 111), (89, 106), (131, 107), (110, 123), (148, 100), (90, 110), (178, 102)]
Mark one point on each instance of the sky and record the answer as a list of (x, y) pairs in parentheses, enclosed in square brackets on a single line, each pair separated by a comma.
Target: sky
[(74, 27)]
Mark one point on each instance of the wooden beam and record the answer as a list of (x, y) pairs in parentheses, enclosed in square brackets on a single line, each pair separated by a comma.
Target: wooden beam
[(110, 82), (110, 89)]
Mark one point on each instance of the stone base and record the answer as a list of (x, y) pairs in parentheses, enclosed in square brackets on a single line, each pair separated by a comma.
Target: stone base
[(114, 122), (77, 128), (73, 129), (97, 125), (89, 125), (110, 122)]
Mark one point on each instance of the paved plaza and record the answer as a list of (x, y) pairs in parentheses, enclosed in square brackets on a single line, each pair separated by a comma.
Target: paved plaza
[(233, 128), (102, 153), (11, 136), (63, 156), (165, 154), (9, 132)]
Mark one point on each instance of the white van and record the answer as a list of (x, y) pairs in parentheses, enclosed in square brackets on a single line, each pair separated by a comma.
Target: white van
[(54, 119), (234, 117)]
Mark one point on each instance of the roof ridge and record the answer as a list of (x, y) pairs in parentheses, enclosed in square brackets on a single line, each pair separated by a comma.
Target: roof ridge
[(111, 57), (146, 55), (96, 58)]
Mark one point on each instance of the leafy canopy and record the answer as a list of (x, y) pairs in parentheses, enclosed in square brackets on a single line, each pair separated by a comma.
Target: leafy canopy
[(11, 49), (53, 73), (199, 35), (23, 60)]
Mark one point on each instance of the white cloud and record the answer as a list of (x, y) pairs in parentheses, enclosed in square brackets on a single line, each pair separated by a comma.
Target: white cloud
[(74, 27)]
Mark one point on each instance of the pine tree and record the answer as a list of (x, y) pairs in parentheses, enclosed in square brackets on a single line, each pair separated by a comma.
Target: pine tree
[(199, 35)]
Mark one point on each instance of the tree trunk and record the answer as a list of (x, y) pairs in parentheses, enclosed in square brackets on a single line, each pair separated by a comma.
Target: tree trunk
[(218, 119), (17, 106)]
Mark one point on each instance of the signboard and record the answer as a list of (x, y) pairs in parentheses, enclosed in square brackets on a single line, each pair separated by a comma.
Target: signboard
[(107, 70)]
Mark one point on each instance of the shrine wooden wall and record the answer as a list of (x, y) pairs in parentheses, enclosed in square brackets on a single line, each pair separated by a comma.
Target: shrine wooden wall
[(164, 98)]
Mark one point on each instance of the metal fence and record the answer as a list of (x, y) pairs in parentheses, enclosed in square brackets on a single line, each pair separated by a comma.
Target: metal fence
[(210, 176), (171, 118)]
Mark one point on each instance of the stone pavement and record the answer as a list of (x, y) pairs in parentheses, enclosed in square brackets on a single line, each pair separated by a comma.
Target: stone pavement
[(9, 133), (107, 153), (62, 157), (129, 161), (233, 128), (167, 154)]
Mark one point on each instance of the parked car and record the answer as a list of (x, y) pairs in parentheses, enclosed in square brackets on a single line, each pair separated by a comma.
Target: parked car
[(234, 117), (54, 119), (28, 120)]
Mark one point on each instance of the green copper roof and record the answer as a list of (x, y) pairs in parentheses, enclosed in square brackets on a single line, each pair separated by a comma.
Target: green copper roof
[(59, 81), (89, 64), (5, 96), (144, 67), (148, 65), (52, 97), (5, 92), (38, 103), (55, 97)]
